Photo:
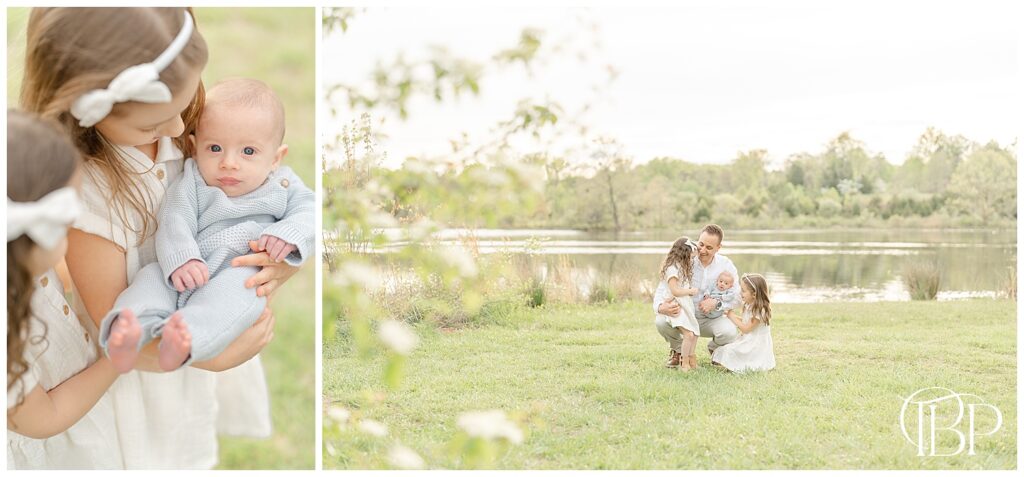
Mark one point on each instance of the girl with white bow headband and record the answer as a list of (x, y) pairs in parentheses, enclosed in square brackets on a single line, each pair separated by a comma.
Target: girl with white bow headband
[(55, 380), (124, 83)]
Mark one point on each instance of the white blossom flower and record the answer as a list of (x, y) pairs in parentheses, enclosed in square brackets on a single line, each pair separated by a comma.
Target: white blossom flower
[(418, 166), (398, 336), (373, 428), (404, 458), (421, 229), (331, 451), (381, 220), (491, 425), (338, 414), (461, 259), (491, 177), (359, 273)]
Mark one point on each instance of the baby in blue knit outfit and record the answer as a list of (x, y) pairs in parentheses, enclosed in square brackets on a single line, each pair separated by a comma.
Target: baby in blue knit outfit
[(232, 192), (722, 293)]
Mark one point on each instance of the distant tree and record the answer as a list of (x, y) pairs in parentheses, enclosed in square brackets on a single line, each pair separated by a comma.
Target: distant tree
[(610, 165), (796, 202), (984, 185), (747, 171), (846, 158), (934, 159)]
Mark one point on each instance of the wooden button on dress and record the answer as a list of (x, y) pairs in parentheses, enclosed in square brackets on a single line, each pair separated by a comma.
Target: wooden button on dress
[(160, 174), (66, 310), (44, 281), (284, 183)]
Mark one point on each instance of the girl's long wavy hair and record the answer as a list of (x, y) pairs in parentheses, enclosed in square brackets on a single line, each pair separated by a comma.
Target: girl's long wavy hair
[(40, 160), (680, 255), (762, 306), (70, 51)]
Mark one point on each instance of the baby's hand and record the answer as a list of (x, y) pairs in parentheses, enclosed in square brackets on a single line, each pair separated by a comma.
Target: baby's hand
[(276, 248), (193, 274)]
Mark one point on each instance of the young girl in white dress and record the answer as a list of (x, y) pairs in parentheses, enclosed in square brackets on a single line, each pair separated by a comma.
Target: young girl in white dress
[(57, 414), (676, 275), (753, 350), (124, 85)]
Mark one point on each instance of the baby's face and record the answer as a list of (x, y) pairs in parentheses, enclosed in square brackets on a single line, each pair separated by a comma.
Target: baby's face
[(237, 147), (725, 281)]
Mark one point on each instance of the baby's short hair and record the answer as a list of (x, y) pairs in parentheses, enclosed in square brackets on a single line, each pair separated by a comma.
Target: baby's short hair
[(251, 93), (726, 273)]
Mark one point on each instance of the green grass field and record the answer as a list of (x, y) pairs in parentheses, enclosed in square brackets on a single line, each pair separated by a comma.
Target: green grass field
[(594, 376), (275, 45)]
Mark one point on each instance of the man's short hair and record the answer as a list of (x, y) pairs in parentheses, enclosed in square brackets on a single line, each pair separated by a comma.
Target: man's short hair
[(714, 230)]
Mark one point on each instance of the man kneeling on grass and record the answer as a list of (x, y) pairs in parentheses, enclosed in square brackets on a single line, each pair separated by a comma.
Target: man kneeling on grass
[(707, 266)]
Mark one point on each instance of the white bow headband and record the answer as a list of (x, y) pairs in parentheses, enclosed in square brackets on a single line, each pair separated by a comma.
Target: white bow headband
[(691, 244), (46, 220), (136, 83)]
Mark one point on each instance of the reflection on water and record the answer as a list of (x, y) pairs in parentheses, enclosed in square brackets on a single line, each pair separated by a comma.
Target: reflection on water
[(801, 265)]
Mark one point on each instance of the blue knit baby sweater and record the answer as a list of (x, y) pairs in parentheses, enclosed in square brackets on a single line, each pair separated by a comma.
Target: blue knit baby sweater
[(198, 221)]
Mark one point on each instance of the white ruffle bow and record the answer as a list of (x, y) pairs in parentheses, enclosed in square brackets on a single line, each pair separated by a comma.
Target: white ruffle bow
[(137, 83), (46, 220)]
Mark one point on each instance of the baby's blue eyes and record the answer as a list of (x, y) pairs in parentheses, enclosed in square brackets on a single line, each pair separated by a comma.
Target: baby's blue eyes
[(247, 150)]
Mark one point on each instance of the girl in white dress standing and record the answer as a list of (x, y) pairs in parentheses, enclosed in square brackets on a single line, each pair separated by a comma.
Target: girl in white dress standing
[(124, 83), (676, 274), (753, 350), (57, 413)]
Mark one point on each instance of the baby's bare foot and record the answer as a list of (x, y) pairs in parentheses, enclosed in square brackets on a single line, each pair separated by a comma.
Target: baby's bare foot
[(123, 344), (175, 343)]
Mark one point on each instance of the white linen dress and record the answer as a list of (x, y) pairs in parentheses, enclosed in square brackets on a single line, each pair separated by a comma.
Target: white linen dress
[(687, 315), (752, 351), (168, 420), (65, 350)]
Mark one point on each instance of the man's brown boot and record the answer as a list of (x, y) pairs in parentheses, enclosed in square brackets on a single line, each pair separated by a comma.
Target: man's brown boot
[(673, 359)]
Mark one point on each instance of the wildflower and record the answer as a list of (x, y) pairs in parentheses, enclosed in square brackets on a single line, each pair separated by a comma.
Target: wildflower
[(491, 425), (398, 336), (361, 274), (373, 428), (460, 259), (338, 414), (404, 458)]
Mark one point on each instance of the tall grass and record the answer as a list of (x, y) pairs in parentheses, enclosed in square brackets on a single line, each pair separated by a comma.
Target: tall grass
[(1011, 283), (507, 281), (922, 280)]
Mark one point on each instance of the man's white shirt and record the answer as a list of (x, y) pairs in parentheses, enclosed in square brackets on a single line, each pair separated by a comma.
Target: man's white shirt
[(703, 279)]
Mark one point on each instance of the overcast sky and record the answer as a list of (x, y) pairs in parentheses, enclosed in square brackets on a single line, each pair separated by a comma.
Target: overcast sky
[(701, 83)]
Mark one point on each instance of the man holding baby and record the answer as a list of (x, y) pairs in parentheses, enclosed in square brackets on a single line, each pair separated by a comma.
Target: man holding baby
[(712, 274)]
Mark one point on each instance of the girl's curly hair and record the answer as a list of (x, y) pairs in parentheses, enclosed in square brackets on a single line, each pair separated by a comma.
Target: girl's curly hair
[(680, 255)]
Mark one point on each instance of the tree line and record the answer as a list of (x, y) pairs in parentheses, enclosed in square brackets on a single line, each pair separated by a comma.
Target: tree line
[(946, 180)]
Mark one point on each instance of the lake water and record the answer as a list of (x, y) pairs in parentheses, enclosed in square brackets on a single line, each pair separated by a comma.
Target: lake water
[(801, 266)]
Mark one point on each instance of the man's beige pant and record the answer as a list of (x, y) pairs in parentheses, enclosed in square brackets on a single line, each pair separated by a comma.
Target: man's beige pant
[(720, 330)]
